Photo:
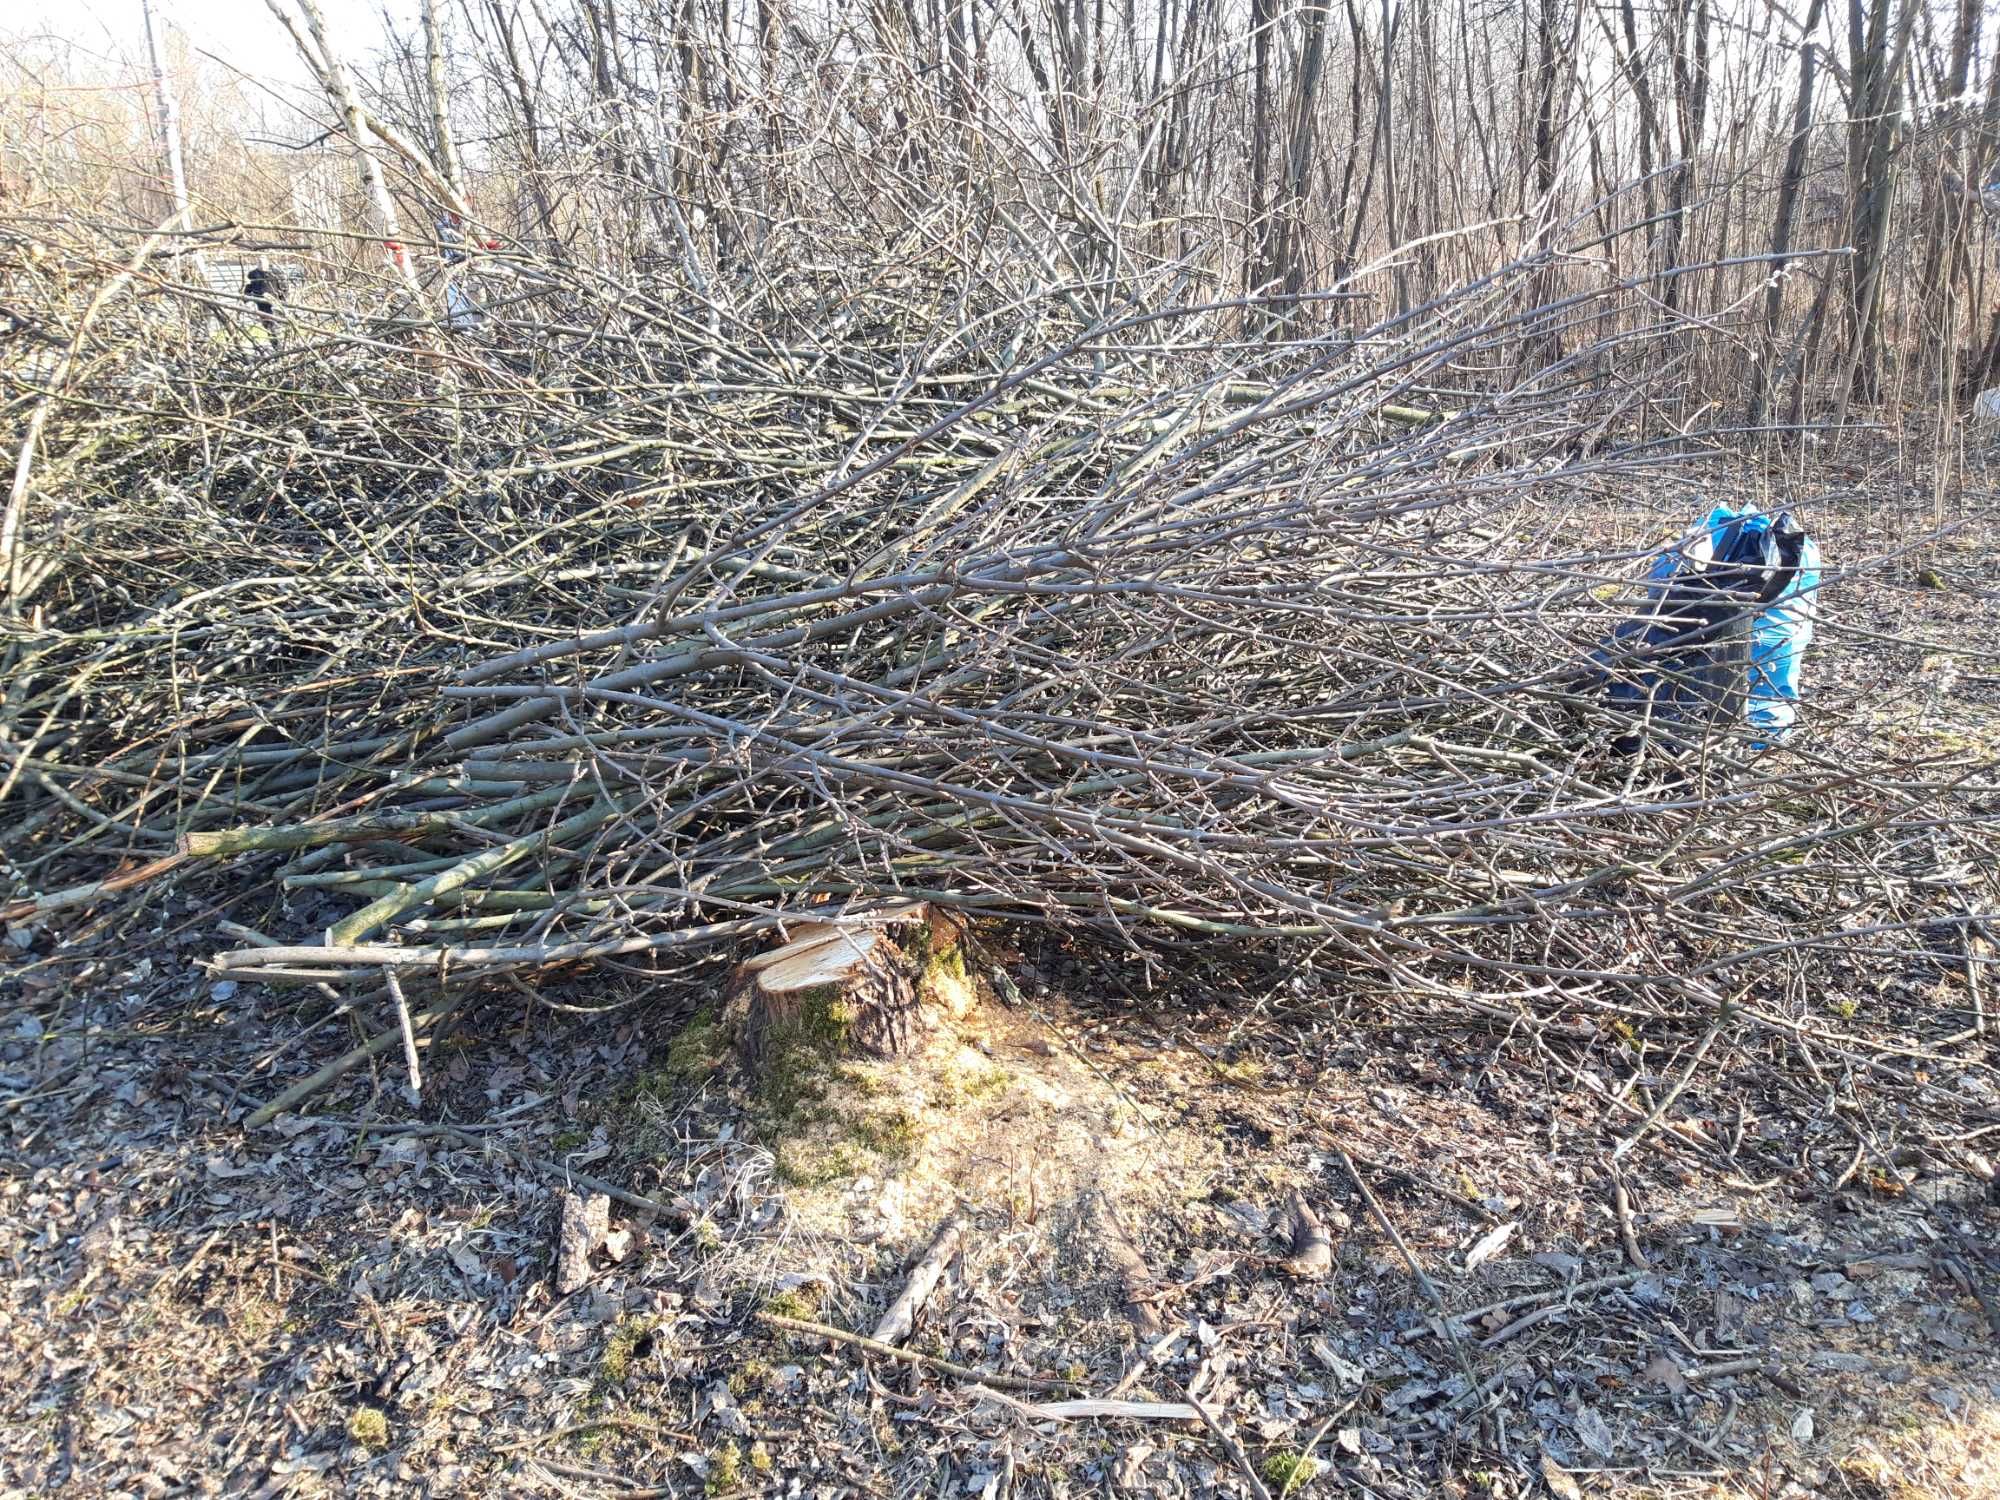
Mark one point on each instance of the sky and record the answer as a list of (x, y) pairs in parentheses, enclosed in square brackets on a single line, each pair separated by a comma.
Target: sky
[(241, 33)]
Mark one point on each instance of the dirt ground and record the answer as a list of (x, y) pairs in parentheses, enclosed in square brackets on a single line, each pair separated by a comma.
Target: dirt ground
[(1788, 1285)]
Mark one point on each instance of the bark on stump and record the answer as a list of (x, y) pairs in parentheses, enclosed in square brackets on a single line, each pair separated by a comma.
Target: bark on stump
[(856, 988)]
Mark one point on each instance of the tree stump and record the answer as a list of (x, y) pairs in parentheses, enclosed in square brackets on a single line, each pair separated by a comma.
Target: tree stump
[(872, 990)]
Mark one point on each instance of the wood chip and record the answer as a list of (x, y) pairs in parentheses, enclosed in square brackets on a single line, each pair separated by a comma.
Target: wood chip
[(1490, 1244), (1875, 1265)]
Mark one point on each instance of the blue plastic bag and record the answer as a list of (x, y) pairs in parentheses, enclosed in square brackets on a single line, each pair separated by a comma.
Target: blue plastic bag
[(1677, 660)]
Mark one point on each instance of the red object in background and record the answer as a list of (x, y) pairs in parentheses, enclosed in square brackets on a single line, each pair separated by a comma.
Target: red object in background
[(492, 244)]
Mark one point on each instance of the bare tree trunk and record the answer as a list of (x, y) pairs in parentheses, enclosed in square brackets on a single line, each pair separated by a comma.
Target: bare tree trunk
[(1639, 76), (1290, 258), (170, 124), (1053, 84), (1483, 126), (1983, 360), (1807, 357), (1256, 250), (1689, 51), (447, 146), (325, 62), (1176, 139), (1781, 228), (1952, 189), (523, 98), (1386, 123), (1356, 217), (1548, 69), (1554, 68), (1881, 60), (958, 95)]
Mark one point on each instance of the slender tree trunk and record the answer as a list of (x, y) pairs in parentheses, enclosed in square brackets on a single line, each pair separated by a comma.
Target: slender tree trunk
[(1689, 51), (1256, 250), (523, 98), (1639, 75), (1385, 148), (1357, 216), (1298, 166), (1880, 107), (1781, 227), (319, 54), (1952, 189), (170, 123), (434, 77), (1548, 68)]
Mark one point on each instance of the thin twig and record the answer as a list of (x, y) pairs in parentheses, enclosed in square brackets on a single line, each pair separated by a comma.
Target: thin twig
[(911, 1356), (1668, 1099), (1416, 1268), (1231, 1447), (1621, 1201), (409, 1035)]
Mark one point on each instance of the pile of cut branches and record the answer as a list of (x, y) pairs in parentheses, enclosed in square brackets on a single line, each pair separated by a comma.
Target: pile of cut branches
[(647, 618)]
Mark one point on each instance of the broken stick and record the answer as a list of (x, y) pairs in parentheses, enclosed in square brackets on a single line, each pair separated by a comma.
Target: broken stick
[(1621, 1202), (429, 1020), (910, 1356), (409, 1034), (900, 1321), (1229, 1444), (1093, 1409), (1133, 1277)]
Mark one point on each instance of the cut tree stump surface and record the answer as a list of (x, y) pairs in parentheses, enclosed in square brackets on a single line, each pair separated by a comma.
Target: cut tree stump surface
[(859, 987)]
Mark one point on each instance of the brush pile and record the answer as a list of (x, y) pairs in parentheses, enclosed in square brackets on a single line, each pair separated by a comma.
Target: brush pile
[(647, 618)]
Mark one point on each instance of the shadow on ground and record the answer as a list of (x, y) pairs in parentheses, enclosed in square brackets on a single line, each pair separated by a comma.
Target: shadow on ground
[(354, 1301)]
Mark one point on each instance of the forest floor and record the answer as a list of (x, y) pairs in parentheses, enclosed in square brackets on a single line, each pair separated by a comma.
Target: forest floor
[(1801, 1294)]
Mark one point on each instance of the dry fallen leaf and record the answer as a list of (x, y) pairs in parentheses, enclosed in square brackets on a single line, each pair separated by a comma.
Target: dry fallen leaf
[(1311, 1246), (1594, 1431), (1560, 1484), (1661, 1370), (1883, 1183)]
